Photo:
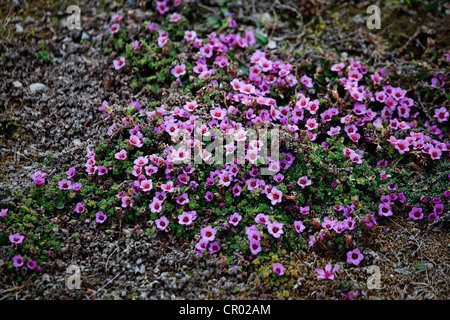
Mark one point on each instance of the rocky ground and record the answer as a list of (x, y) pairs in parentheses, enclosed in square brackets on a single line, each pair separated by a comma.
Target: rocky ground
[(49, 117)]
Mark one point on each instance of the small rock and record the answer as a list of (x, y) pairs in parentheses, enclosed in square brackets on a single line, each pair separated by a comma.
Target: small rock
[(271, 44), (35, 87), (85, 36), (17, 84), (402, 271), (19, 28)]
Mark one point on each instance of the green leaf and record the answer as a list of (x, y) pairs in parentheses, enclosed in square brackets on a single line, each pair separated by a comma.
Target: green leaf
[(421, 266), (59, 203), (262, 38)]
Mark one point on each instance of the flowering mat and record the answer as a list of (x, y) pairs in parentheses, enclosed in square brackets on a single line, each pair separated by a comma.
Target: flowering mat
[(224, 150)]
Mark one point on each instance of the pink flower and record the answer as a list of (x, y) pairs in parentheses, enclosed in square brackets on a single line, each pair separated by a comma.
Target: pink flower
[(416, 213), (435, 153), (100, 217), (168, 187), (114, 28), (354, 257), (201, 245), (31, 264), (116, 18), (17, 261), (146, 185), (16, 238), (126, 201), (327, 272), (278, 269), (190, 35), (135, 45), (102, 170), (304, 182), (178, 70), (208, 233), (121, 155), (298, 226), (262, 218), (136, 141), (441, 114), (306, 81), (64, 184), (235, 218), (311, 124), (334, 131), (214, 247), (275, 229), (402, 146), (438, 208), (3, 213), (338, 67), (118, 64), (79, 208), (175, 17), (384, 209), (185, 218), (155, 206), (255, 246), (162, 223), (39, 177), (183, 199), (275, 195), (304, 210), (71, 172)]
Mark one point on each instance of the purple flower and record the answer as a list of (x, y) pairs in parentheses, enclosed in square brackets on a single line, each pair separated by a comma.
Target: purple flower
[(304, 182), (155, 206), (306, 81), (102, 170), (178, 70), (439, 208), (235, 218), (31, 264), (278, 269), (298, 226), (79, 208), (275, 229), (237, 189), (416, 213), (64, 184), (327, 272), (255, 246), (119, 64), (16, 238), (162, 223), (385, 209), (185, 218), (209, 196), (208, 233), (214, 247), (183, 199), (71, 172), (3, 213), (17, 261), (436, 200), (262, 218), (100, 217), (76, 186), (354, 257), (121, 155)]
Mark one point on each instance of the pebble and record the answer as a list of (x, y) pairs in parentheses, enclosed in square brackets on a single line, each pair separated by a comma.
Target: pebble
[(36, 87), (17, 84)]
